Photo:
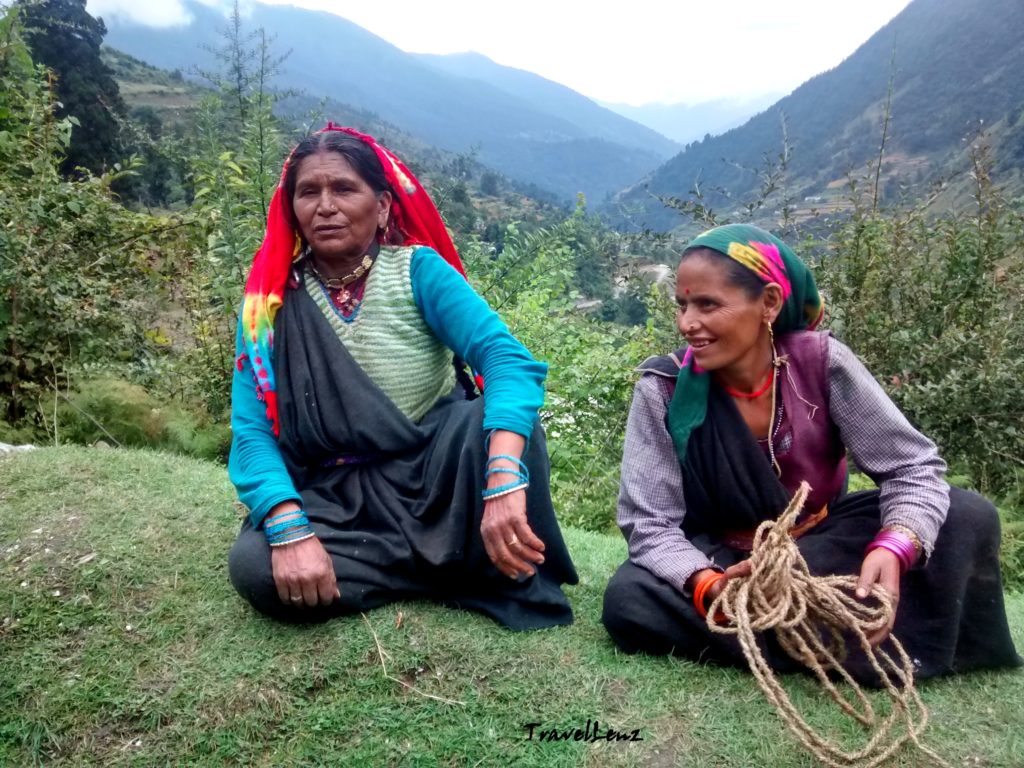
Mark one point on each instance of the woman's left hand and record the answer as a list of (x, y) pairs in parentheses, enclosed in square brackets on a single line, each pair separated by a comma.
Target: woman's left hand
[(880, 567), (508, 538)]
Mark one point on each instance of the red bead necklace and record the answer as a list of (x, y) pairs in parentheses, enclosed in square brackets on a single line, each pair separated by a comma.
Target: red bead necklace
[(752, 395)]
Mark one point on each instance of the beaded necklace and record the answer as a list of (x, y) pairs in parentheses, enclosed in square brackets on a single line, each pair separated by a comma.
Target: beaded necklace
[(753, 395)]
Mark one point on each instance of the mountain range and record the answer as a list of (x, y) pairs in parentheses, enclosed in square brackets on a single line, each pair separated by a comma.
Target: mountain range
[(942, 70), (955, 68), (691, 122), (529, 128)]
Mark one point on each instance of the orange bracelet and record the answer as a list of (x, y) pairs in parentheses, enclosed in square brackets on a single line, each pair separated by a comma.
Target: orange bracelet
[(701, 590)]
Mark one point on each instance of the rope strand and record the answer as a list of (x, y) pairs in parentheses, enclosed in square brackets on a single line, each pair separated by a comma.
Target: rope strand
[(812, 616)]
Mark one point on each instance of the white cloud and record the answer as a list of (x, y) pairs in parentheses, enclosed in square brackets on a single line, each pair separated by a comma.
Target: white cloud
[(152, 13), (637, 52)]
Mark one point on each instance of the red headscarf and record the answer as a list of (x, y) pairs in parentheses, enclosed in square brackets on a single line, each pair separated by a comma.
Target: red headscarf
[(415, 219)]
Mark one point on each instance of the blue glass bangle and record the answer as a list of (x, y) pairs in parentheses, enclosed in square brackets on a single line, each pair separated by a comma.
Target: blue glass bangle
[(284, 517), (280, 519), (293, 534), (507, 471), (292, 522), (299, 534), (507, 457), (287, 524), (525, 470), (287, 527), (275, 535)]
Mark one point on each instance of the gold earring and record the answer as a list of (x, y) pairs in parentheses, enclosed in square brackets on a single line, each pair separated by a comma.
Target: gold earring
[(771, 342)]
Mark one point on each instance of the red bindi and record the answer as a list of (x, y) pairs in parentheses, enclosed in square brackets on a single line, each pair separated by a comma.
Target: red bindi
[(686, 291)]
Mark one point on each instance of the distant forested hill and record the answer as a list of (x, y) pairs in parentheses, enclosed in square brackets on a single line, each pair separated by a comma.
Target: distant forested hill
[(473, 198), (536, 140), (959, 65)]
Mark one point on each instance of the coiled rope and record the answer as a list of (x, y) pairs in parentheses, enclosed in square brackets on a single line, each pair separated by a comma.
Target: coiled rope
[(812, 616)]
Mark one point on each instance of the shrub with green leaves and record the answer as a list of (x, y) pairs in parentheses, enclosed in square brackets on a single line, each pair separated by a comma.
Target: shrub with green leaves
[(74, 271), (236, 151), (933, 306), (121, 413), (534, 284)]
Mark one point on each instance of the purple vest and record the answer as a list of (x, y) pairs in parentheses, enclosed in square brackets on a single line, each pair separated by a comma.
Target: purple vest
[(807, 444)]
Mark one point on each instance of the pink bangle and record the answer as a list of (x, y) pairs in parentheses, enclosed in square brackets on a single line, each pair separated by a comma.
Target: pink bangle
[(897, 543)]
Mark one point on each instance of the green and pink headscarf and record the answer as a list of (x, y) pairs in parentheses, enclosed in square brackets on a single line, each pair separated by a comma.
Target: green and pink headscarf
[(414, 220), (802, 309)]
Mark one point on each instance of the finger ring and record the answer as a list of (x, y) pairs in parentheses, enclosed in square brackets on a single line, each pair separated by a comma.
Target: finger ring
[(295, 599), (513, 541)]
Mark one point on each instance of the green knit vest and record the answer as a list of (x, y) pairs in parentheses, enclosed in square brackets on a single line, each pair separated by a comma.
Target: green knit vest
[(389, 338)]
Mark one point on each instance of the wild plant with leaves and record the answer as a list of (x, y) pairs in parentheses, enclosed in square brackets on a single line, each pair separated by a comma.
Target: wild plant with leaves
[(75, 266), (534, 284), (237, 146), (933, 305)]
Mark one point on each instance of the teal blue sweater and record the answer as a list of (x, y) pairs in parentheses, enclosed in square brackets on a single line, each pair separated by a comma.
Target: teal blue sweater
[(461, 319)]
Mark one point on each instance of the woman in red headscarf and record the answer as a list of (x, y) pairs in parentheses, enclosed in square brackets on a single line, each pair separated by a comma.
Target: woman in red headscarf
[(369, 475)]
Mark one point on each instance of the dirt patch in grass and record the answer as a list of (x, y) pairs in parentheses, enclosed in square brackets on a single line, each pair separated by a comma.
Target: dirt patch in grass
[(47, 542), (617, 693), (671, 738), (44, 563), (482, 685), (245, 699)]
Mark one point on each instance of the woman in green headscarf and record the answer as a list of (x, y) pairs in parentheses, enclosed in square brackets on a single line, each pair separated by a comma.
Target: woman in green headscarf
[(721, 434)]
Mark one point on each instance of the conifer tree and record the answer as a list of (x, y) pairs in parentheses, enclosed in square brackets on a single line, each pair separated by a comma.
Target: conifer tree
[(62, 36)]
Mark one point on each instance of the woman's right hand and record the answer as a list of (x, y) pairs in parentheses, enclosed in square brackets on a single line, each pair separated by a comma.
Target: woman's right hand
[(304, 574), (742, 568)]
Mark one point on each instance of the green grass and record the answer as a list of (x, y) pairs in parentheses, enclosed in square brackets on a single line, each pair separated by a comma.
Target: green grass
[(122, 643)]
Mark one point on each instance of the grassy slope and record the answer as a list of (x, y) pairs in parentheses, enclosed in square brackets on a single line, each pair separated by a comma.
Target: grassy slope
[(173, 99), (121, 642)]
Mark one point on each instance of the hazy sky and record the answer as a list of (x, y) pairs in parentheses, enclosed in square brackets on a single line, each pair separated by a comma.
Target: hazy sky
[(633, 52)]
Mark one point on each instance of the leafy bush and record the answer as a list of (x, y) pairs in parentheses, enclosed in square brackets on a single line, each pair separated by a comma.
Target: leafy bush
[(235, 153), (1011, 554), (534, 284), (16, 435), (74, 278), (933, 306), (123, 413)]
